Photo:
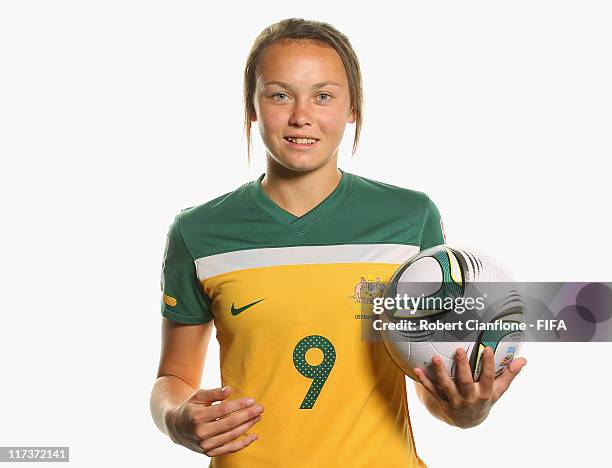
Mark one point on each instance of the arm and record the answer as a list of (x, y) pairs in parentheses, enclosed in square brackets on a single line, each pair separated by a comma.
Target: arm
[(181, 364), (180, 409), (187, 414), (463, 402)]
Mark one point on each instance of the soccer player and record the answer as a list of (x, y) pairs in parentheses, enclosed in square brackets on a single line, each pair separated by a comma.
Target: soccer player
[(286, 267)]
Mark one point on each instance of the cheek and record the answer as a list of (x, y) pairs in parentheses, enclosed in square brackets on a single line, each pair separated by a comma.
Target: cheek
[(333, 122), (271, 118)]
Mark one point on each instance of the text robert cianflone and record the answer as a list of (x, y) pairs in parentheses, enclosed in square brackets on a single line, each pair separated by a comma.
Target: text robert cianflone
[(468, 325)]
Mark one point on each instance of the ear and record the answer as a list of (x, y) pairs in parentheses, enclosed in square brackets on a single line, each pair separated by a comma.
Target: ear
[(351, 116), (253, 116)]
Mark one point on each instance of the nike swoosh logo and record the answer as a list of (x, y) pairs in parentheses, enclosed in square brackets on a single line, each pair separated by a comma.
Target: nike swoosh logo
[(239, 310)]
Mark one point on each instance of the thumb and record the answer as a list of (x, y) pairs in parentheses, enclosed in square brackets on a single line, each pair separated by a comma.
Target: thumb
[(208, 396), (508, 375)]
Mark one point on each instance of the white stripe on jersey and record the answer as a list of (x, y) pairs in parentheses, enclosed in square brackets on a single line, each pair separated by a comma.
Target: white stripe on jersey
[(303, 255)]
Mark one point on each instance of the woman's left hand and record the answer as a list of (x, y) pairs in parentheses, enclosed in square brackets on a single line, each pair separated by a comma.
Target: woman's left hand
[(466, 403)]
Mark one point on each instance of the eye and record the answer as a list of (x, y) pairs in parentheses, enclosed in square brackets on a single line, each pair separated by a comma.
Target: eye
[(326, 96), (279, 97)]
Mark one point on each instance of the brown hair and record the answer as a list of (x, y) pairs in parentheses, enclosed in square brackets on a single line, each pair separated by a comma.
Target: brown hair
[(300, 29)]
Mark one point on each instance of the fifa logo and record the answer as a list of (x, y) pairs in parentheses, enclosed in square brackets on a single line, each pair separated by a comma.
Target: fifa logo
[(368, 289)]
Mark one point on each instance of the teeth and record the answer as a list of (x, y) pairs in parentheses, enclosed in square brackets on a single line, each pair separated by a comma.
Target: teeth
[(301, 141)]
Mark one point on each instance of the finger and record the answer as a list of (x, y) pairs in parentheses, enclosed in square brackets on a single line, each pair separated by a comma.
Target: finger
[(464, 379), (428, 384), (228, 423), (444, 382), (487, 376), (232, 446), (224, 409), (208, 396), (507, 376), (229, 436)]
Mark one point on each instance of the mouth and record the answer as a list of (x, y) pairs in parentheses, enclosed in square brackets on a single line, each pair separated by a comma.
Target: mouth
[(301, 143)]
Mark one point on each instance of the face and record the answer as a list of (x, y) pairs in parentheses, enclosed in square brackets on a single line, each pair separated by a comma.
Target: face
[(302, 104)]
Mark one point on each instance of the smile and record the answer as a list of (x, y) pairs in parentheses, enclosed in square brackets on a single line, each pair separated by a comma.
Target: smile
[(301, 142)]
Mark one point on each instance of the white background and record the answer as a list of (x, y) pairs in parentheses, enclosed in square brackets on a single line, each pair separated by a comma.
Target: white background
[(115, 115)]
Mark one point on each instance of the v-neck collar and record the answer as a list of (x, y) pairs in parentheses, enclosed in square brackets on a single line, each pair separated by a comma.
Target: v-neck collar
[(303, 223)]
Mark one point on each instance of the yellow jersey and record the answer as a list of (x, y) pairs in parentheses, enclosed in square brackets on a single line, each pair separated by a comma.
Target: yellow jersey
[(291, 300)]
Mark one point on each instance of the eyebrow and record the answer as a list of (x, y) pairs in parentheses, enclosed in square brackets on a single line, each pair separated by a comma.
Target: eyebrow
[(315, 86)]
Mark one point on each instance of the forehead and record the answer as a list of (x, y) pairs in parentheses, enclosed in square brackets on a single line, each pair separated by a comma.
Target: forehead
[(300, 60)]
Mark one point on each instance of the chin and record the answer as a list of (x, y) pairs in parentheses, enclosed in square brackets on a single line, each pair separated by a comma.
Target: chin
[(301, 162)]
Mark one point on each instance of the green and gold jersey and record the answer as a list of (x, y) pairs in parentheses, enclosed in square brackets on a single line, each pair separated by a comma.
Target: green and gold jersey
[(289, 297)]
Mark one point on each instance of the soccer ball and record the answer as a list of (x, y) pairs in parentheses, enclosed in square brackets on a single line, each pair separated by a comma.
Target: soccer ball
[(444, 298)]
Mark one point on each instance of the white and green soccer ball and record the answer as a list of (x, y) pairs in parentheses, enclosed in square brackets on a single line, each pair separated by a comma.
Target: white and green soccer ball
[(448, 286)]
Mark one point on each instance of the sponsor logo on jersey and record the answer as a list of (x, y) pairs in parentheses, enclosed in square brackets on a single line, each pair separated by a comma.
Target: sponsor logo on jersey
[(367, 289), (239, 310), (169, 300)]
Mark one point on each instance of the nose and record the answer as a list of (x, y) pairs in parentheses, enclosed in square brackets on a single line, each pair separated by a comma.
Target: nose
[(300, 115)]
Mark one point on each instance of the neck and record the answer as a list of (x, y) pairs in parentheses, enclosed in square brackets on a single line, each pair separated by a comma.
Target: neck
[(299, 192)]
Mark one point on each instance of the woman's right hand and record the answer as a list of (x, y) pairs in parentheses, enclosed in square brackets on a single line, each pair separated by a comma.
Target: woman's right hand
[(213, 429)]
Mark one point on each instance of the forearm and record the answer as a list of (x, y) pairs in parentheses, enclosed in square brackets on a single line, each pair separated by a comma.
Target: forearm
[(168, 392)]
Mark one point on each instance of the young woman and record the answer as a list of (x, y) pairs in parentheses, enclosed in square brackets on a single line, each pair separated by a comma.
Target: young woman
[(286, 267)]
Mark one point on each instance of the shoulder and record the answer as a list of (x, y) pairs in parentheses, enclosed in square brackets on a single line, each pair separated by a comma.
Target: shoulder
[(394, 197), (223, 206), (400, 214), (209, 227)]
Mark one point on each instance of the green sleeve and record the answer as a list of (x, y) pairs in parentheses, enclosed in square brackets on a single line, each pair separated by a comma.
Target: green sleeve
[(183, 299), (432, 233)]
